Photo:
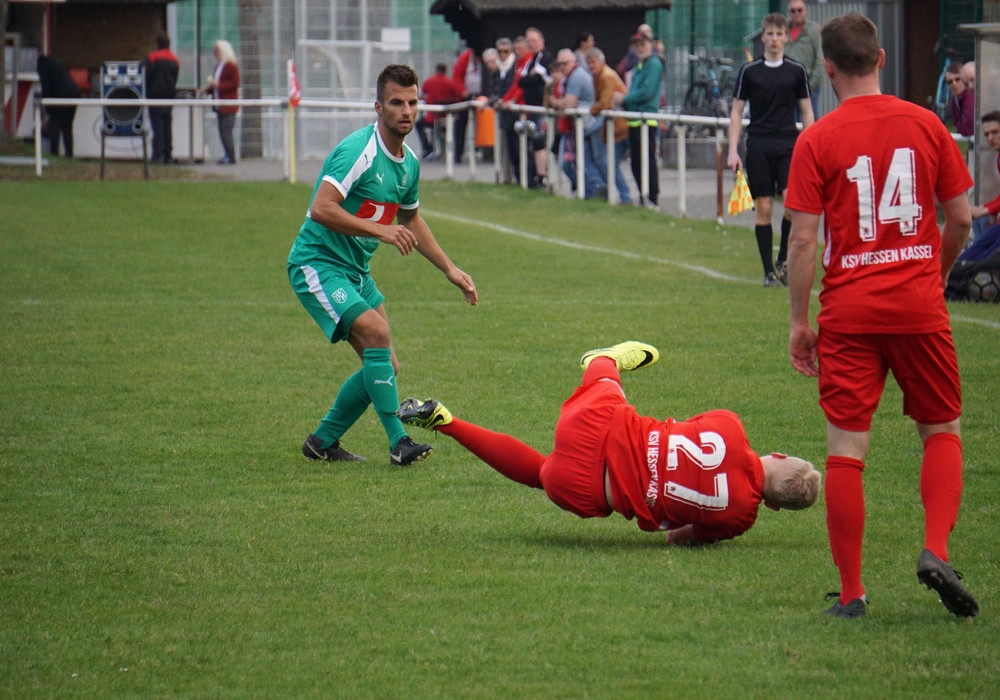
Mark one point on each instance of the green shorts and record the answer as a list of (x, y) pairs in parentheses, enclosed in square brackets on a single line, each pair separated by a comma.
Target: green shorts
[(332, 297)]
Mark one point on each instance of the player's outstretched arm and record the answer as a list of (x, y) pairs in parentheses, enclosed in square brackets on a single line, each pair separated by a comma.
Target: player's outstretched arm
[(428, 246)]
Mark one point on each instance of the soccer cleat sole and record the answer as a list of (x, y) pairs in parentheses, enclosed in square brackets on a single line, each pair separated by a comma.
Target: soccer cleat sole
[(939, 576)]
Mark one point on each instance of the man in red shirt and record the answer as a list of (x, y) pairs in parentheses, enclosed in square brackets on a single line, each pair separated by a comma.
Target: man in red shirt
[(438, 89), (162, 68), (698, 480), (874, 168)]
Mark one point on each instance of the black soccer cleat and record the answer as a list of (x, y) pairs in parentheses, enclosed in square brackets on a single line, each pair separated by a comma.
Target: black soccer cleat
[(312, 448), (428, 414), (782, 269), (939, 576), (854, 609), (407, 452)]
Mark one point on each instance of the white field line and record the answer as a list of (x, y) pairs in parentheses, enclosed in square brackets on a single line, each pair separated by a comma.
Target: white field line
[(708, 272)]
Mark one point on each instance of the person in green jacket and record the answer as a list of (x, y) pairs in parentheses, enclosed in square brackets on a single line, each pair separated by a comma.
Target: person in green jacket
[(644, 96), (804, 46)]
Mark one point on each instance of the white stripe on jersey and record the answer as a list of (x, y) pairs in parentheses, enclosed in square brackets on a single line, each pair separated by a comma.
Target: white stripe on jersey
[(365, 160), (316, 289)]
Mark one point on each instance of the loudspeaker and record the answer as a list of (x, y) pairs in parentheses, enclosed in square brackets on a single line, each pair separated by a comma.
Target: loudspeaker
[(123, 80)]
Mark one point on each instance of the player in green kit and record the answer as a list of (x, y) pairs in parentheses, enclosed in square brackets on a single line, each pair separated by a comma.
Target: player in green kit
[(369, 180)]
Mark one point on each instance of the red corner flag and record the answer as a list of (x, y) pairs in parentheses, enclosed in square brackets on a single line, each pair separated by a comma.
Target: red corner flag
[(294, 92)]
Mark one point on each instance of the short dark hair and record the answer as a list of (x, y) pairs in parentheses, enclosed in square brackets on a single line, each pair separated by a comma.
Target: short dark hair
[(850, 42), (993, 116), (163, 40), (954, 68), (397, 73), (774, 19)]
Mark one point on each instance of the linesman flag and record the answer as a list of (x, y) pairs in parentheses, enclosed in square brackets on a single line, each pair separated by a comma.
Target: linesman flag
[(740, 200), (294, 92)]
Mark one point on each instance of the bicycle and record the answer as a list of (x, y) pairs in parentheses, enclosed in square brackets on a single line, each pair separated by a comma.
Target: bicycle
[(710, 93)]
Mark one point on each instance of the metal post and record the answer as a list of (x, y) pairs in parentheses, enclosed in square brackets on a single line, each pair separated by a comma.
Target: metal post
[(682, 169)]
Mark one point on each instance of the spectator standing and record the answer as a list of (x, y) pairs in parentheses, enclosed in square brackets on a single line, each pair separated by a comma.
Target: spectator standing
[(644, 96), (491, 75), (584, 43), (513, 96), (56, 81), (468, 76), (804, 46), (533, 80), (577, 92), (962, 101), (162, 69), (438, 89), (224, 84), (627, 64), (606, 83), (882, 305), (505, 77), (774, 86)]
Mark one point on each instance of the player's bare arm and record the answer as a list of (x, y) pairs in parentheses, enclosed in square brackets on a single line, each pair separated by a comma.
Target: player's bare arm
[(682, 535), (429, 248), (806, 110), (327, 209), (733, 161), (957, 222), (801, 272)]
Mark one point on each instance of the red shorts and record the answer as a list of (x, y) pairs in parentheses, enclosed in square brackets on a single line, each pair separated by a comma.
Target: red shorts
[(853, 368), (573, 475)]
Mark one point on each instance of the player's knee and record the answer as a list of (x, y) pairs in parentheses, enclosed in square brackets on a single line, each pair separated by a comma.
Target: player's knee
[(371, 330)]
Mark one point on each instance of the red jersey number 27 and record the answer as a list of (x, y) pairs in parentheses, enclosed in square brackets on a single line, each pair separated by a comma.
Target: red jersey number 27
[(898, 203)]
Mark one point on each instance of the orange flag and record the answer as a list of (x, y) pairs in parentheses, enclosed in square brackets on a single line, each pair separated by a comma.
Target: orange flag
[(740, 200)]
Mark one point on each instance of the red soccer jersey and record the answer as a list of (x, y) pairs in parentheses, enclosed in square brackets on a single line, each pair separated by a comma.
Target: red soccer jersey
[(667, 474), (873, 168)]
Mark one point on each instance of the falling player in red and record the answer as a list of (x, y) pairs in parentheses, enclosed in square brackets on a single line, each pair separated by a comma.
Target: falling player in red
[(697, 479), (875, 168)]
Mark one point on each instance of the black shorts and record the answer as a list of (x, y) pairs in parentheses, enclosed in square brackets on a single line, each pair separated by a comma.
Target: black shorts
[(768, 160)]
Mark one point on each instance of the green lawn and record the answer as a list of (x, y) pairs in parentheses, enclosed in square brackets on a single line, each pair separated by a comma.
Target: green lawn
[(161, 534)]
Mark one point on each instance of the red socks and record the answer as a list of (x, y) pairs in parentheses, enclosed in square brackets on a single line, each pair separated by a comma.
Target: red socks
[(845, 521), (509, 456), (941, 490)]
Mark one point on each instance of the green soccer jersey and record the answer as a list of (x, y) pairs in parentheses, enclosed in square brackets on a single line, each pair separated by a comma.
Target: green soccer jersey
[(375, 185)]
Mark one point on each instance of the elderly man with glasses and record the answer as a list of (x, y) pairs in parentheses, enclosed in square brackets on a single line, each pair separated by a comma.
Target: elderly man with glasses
[(804, 46), (962, 101)]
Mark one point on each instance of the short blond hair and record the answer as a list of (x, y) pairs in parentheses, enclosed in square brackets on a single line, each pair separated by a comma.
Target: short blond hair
[(799, 489)]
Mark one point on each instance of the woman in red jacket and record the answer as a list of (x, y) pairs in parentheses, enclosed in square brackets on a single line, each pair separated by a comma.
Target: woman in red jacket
[(224, 84)]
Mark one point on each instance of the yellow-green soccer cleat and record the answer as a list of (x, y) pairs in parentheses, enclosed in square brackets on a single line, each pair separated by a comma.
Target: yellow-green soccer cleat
[(428, 414), (628, 355)]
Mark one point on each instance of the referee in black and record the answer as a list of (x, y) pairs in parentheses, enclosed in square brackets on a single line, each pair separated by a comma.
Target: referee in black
[(773, 86)]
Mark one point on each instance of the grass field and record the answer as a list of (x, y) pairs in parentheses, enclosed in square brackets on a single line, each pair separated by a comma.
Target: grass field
[(161, 534)]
